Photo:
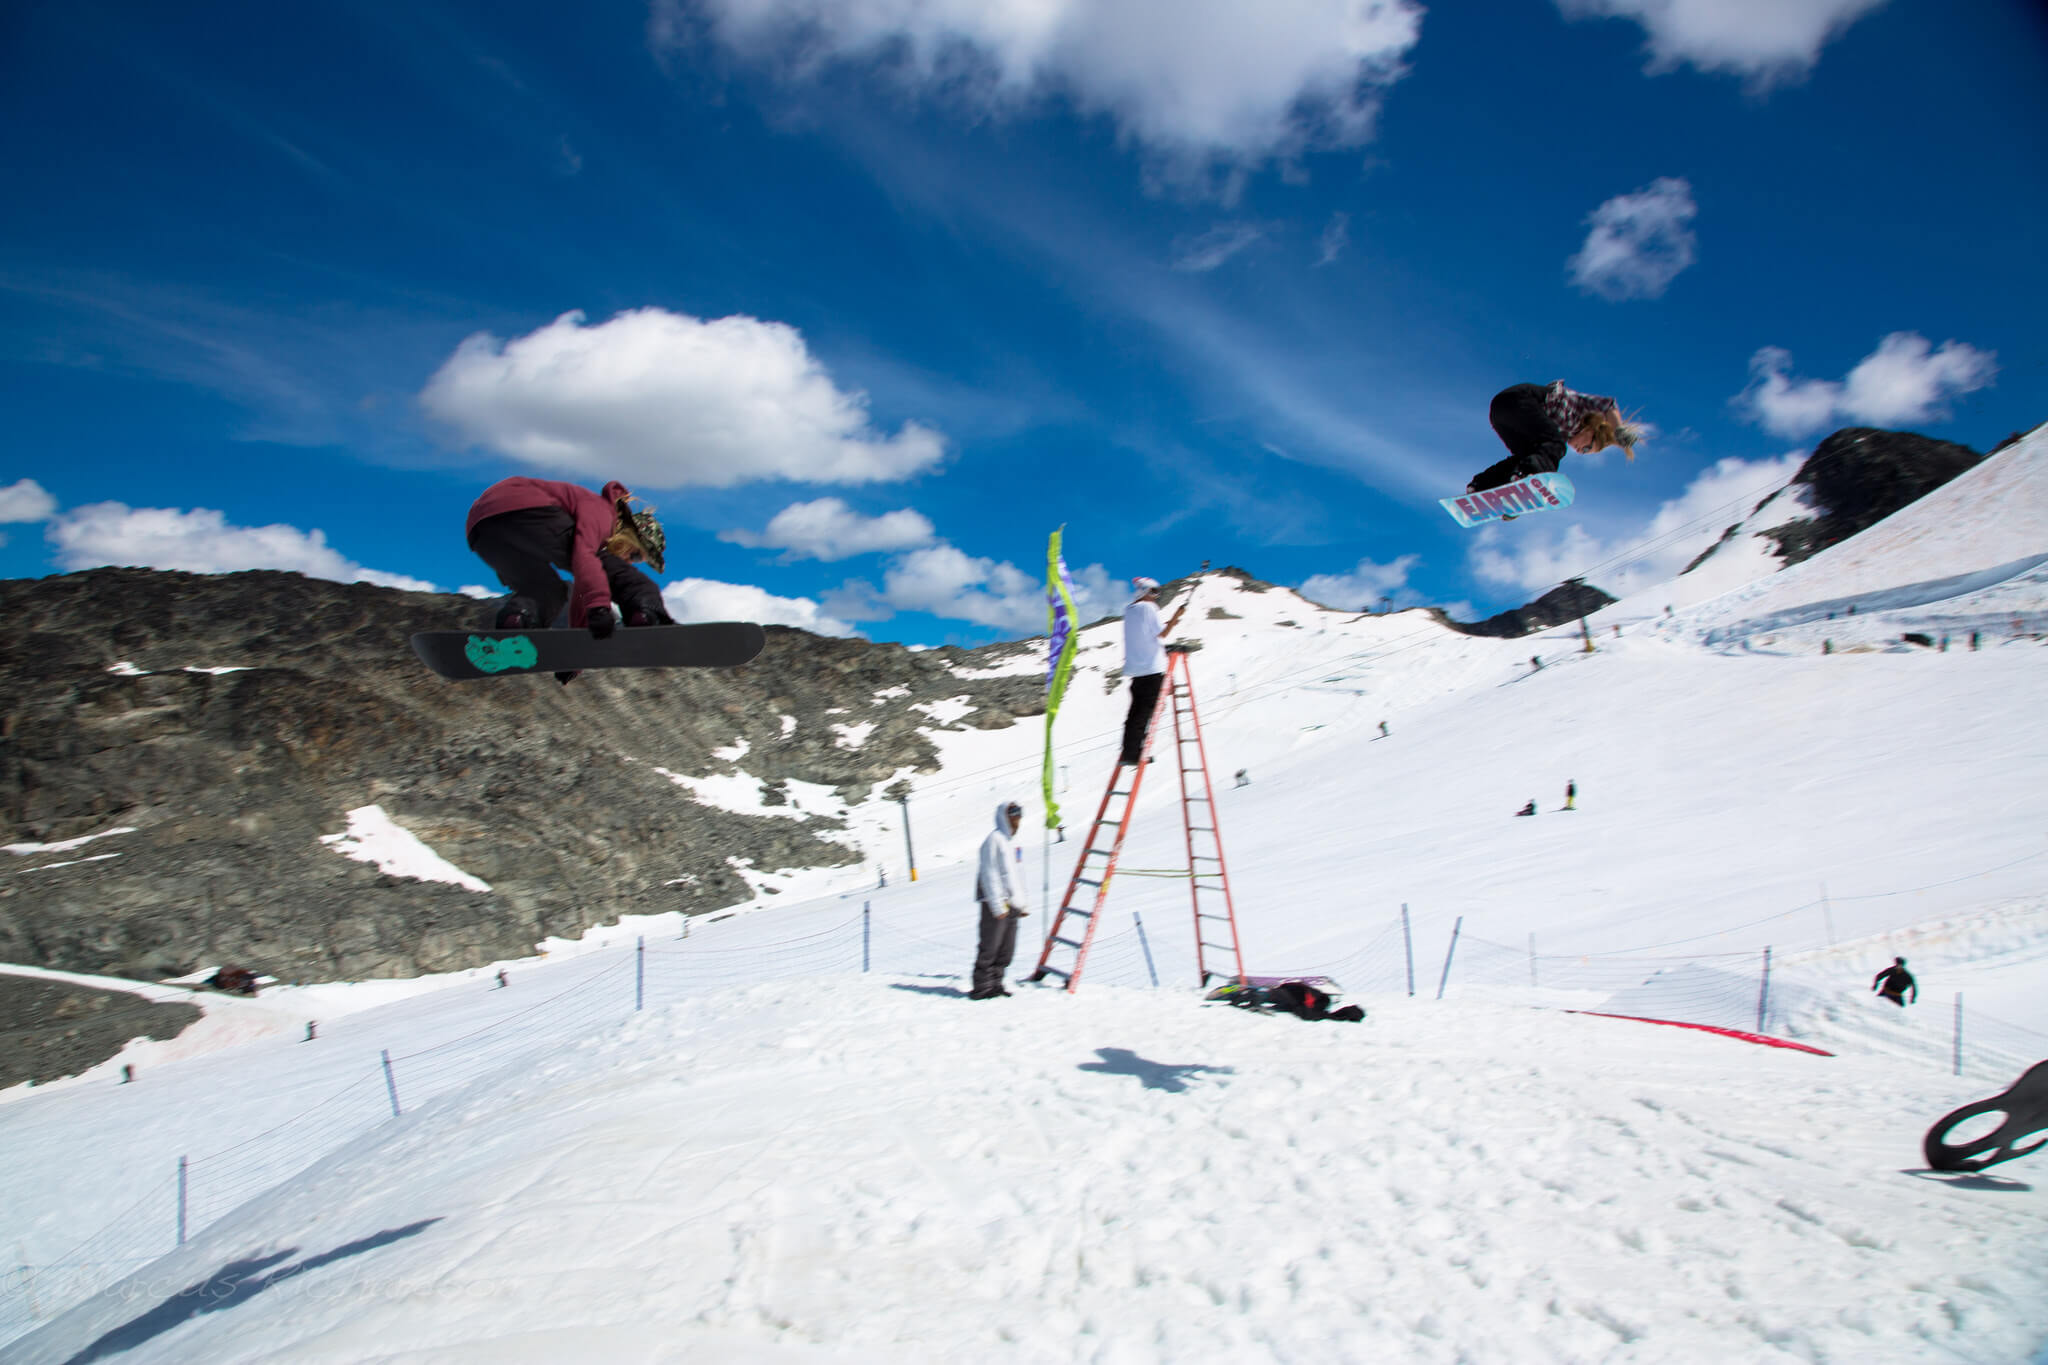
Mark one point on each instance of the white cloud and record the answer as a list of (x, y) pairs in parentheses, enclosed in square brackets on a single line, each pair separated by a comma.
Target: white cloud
[(1905, 380), (1203, 253), (666, 400), (1535, 556), (1766, 42), (705, 599), (1638, 243), (1362, 588), (1196, 83), (202, 541), (480, 592), (1336, 236), (26, 500), (944, 581), (828, 529)]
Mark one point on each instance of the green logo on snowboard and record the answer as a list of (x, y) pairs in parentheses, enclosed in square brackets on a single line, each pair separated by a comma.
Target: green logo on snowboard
[(495, 656)]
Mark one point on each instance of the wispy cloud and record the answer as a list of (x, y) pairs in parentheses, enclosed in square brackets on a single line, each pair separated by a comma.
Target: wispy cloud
[(202, 540), (1535, 555), (1638, 243), (669, 401), (1204, 252), (1904, 380), (1208, 89), (828, 529), (1767, 43), (1336, 236), (707, 599), (1365, 586), (945, 581), (26, 500)]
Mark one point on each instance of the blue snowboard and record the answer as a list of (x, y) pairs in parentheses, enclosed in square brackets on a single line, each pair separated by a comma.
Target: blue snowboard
[(1536, 493)]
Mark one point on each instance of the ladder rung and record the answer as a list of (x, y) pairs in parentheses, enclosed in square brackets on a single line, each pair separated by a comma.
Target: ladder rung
[(1070, 942), (1201, 829), (1083, 881), (1222, 947), (1203, 857), (1073, 910), (1054, 971)]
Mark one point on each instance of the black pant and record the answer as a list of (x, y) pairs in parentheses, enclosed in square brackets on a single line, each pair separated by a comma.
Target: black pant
[(997, 946), (523, 548), (1144, 701), (1535, 445)]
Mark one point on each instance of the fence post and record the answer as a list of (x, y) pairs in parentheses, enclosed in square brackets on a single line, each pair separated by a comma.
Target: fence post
[(1408, 947), (866, 914), (1150, 970), (640, 974), (181, 1200), (390, 1084), (1763, 994), (1959, 1033), (1456, 929)]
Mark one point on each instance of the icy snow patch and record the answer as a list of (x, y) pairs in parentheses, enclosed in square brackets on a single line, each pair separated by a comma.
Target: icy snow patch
[(65, 845), (853, 736), (732, 753), (947, 711), (374, 837)]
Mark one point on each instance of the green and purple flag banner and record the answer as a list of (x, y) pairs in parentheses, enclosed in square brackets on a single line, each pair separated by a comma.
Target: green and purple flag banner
[(1059, 663)]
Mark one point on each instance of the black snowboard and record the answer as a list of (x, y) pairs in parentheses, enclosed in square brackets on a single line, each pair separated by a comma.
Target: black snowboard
[(464, 654)]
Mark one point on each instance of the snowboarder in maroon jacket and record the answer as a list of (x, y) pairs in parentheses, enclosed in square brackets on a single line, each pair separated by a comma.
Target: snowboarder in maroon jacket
[(1539, 423), (523, 528)]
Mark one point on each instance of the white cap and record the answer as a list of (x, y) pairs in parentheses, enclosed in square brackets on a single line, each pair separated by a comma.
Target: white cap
[(1144, 584)]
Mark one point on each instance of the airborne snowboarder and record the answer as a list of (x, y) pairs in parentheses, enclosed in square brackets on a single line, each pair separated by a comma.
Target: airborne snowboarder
[(1538, 423)]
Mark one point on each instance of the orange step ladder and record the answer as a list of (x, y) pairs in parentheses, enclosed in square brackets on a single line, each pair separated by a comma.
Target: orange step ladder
[(1073, 928)]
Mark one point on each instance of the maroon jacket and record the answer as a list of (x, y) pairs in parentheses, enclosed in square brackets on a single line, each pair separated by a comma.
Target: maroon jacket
[(596, 515)]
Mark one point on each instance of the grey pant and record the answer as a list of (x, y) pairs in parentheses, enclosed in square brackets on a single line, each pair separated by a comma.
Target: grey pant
[(998, 945)]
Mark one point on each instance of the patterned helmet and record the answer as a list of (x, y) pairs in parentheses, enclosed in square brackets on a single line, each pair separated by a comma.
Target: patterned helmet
[(647, 531)]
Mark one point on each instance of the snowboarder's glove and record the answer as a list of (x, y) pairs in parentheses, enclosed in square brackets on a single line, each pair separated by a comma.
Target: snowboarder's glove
[(1019, 911), (603, 621)]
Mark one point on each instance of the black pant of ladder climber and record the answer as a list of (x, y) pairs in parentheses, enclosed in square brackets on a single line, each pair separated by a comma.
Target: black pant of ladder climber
[(1073, 929)]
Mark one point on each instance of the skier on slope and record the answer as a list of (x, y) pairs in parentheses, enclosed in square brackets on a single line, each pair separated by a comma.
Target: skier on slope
[(525, 527), (1894, 981), (1002, 905), (1537, 422)]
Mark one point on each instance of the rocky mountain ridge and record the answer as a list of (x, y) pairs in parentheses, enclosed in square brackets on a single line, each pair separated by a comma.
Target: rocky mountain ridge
[(231, 721)]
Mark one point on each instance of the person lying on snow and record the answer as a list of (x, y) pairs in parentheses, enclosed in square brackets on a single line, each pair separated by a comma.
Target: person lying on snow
[(1537, 423)]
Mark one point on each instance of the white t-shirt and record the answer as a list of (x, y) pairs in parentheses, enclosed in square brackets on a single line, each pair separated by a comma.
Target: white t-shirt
[(1143, 651)]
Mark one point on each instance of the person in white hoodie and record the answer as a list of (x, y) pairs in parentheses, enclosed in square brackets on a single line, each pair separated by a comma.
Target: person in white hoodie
[(1144, 664), (1002, 905)]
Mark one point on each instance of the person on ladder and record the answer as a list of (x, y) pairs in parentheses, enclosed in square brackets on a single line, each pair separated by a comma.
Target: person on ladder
[(1144, 663), (1002, 905)]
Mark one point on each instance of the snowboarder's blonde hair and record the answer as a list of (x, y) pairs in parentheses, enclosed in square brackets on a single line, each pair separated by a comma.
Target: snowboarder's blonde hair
[(1608, 427)]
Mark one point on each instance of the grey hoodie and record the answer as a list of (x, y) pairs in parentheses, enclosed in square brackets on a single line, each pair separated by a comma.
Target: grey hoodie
[(995, 886)]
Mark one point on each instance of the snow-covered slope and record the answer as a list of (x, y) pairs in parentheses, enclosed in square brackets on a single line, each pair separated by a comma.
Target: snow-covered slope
[(782, 1156)]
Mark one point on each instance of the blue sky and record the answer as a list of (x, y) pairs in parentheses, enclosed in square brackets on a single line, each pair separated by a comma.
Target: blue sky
[(868, 299)]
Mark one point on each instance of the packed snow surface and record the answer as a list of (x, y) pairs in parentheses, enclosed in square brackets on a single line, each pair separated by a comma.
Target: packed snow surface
[(373, 836), (780, 1155)]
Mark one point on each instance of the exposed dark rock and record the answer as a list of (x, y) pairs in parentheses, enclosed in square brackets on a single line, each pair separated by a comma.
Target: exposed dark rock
[(553, 795), (1566, 602), (51, 1028), (1859, 476)]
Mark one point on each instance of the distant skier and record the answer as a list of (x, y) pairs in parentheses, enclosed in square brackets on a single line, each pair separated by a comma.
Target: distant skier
[(1571, 795), (1894, 981), (1144, 663), (1537, 423), (1529, 809), (1002, 905), (523, 528)]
